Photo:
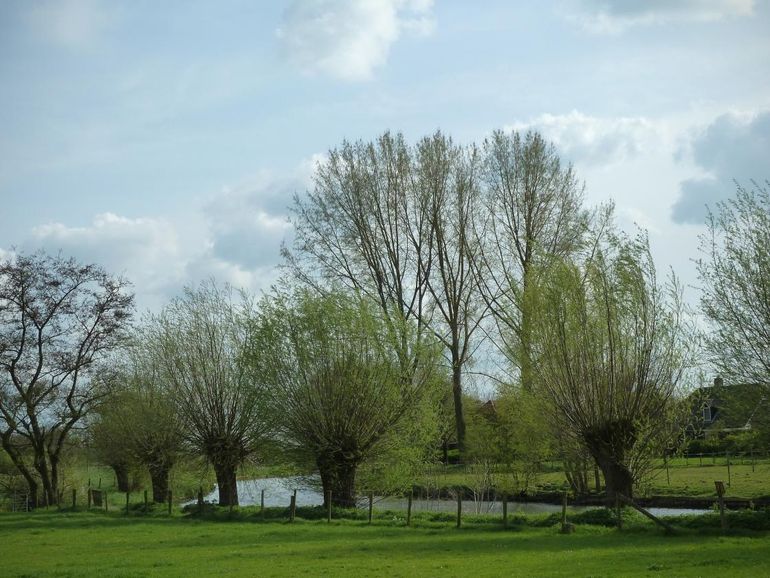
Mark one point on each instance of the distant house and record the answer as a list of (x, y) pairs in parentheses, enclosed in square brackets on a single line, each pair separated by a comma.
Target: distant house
[(727, 409)]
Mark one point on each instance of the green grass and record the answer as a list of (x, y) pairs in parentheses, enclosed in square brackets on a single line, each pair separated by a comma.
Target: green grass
[(685, 478), (96, 544)]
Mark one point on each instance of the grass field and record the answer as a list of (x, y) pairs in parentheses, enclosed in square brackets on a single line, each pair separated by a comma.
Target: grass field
[(98, 544), (686, 477)]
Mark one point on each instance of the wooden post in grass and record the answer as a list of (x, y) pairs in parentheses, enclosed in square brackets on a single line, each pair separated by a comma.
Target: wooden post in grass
[(74, 498), (665, 463), (459, 507), (293, 506), (566, 528), (262, 502), (720, 488), (371, 506), (729, 477), (752, 459), (90, 498), (128, 499), (505, 510), (700, 458), (200, 499), (409, 509), (563, 510), (146, 503), (170, 501), (329, 506)]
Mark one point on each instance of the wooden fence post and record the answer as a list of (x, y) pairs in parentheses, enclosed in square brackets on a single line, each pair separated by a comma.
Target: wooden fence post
[(409, 509), (668, 476), (459, 507), (720, 488), (371, 506), (170, 501), (128, 499), (200, 499), (564, 510), (90, 498), (729, 477), (74, 498), (262, 502), (293, 506)]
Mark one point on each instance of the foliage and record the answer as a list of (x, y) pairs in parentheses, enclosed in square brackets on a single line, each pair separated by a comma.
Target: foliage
[(396, 223), (336, 380), (197, 343), (610, 348), (735, 276), (138, 423)]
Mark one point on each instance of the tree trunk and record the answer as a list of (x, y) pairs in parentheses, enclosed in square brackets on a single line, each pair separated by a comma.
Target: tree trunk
[(48, 497), (457, 393), (227, 484), (159, 478), (617, 477), (121, 476), (338, 475), (609, 443)]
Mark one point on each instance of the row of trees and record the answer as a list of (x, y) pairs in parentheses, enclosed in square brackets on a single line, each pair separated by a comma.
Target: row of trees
[(408, 261)]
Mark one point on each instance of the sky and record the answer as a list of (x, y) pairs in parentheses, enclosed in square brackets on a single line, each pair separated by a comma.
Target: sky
[(165, 140)]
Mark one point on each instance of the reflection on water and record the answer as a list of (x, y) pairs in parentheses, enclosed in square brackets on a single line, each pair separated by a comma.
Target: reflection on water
[(278, 493)]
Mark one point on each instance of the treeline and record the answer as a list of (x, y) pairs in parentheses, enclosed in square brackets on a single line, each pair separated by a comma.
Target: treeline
[(412, 265)]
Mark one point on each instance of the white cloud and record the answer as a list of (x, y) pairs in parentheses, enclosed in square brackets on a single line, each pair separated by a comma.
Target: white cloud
[(586, 139), (613, 16), (734, 147), (70, 23), (349, 39), (146, 250), (236, 238)]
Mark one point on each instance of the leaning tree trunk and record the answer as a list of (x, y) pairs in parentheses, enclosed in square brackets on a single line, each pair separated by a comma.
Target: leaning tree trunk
[(227, 483), (338, 476), (18, 461), (159, 477)]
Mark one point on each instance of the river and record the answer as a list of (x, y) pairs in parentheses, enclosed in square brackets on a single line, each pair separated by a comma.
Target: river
[(278, 493)]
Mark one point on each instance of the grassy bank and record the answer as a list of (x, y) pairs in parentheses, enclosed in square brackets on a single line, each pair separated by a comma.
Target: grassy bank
[(97, 544)]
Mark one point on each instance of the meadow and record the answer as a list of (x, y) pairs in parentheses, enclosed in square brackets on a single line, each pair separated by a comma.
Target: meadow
[(70, 544)]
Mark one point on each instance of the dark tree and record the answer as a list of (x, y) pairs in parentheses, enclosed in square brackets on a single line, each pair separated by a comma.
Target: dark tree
[(59, 319)]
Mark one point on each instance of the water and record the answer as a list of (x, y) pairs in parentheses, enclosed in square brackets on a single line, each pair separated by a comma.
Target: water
[(278, 493)]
